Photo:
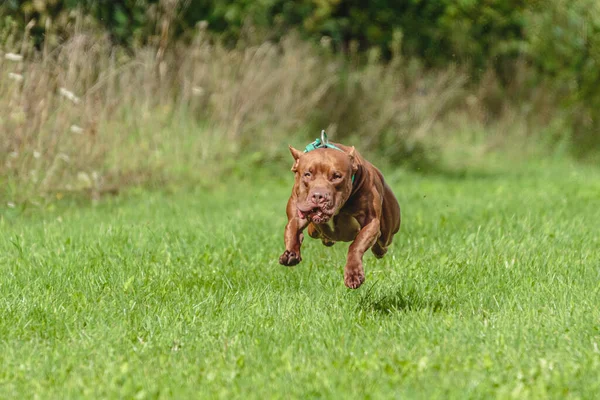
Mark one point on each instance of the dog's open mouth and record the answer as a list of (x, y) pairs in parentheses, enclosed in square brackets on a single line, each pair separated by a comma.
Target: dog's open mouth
[(314, 214)]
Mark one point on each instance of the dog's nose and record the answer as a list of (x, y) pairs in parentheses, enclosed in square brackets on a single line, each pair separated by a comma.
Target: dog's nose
[(319, 196)]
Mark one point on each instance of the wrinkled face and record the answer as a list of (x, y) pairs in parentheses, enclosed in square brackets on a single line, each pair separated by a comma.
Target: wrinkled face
[(324, 183)]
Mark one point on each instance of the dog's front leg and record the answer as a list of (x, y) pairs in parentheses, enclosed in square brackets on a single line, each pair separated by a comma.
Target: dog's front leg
[(354, 273), (293, 235)]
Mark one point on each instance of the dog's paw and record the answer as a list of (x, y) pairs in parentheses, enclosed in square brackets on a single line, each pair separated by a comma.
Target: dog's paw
[(289, 258), (353, 279)]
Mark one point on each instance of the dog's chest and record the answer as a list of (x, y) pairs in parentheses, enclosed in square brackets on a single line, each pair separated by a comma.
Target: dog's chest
[(341, 228)]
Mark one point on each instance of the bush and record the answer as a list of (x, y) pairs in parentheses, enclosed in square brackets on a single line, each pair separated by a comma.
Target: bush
[(563, 40)]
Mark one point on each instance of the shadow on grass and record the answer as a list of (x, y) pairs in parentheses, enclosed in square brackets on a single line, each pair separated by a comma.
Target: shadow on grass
[(398, 301)]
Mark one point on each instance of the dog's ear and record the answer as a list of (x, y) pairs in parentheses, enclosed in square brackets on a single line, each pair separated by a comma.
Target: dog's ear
[(352, 154), (296, 154)]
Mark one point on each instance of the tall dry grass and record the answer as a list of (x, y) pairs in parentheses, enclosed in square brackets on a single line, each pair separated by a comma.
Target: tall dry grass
[(87, 116)]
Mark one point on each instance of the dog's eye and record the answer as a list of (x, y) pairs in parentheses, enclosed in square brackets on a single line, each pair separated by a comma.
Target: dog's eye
[(336, 176), (307, 174)]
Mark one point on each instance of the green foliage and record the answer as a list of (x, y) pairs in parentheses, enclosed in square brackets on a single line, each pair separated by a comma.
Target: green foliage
[(439, 31), (469, 32), (563, 42), (127, 21)]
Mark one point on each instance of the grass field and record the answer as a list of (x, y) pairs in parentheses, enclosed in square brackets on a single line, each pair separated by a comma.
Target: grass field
[(491, 289)]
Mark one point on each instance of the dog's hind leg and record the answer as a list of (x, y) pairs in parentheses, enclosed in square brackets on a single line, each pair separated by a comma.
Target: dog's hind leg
[(379, 250), (315, 234), (312, 231)]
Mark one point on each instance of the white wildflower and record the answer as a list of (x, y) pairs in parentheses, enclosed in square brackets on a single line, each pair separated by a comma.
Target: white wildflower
[(326, 42), (13, 57), (76, 129), (36, 154), (84, 179), (64, 157), (69, 95), (15, 77)]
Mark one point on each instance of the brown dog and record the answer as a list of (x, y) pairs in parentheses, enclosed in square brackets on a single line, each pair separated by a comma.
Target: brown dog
[(340, 196)]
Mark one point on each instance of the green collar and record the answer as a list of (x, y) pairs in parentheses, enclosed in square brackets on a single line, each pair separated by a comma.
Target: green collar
[(322, 143)]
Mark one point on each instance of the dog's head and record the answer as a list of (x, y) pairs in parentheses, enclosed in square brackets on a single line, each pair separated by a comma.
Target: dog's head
[(323, 181)]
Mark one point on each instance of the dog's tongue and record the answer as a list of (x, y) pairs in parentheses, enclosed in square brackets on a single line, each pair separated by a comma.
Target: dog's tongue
[(302, 215)]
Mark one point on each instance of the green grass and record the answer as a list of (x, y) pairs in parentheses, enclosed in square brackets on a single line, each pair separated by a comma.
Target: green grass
[(491, 289)]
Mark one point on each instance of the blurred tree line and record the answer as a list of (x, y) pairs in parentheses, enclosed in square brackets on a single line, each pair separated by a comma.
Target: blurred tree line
[(559, 39), (439, 31)]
